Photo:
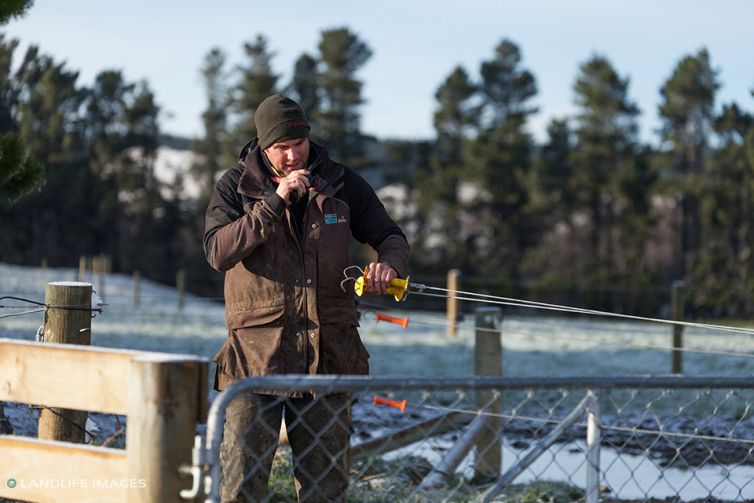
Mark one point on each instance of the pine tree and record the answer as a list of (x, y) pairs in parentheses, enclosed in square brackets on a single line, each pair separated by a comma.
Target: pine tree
[(721, 282), (547, 264), (256, 82), (342, 54), (305, 89), (211, 148), (604, 160), (552, 173), (47, 112), (11, 9), (687, 111), (19, 172), (8, 88), (439, 237), (499, 161)]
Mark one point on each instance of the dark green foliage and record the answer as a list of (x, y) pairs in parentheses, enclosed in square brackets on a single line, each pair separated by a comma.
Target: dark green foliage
[(257, 81), (687, 112), (10, 9), (437, 241), (499, 161), (305, 88), (211, 148), (338, 115), (722, 277), (606, 162), (19, 172)]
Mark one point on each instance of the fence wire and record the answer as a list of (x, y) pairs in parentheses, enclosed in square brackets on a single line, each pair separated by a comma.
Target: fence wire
[(427, 440)]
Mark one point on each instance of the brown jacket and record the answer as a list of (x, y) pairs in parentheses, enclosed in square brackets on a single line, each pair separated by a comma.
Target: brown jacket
[(285, 309)]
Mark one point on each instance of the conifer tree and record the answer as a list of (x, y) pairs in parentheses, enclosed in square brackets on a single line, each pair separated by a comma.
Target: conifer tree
[(342, 54), (499, 161), (211, 147), (721, 282), (439, 210), (11, 9), (256, 81), (305, 88), (687, 111), (604, 160), (20, 172)]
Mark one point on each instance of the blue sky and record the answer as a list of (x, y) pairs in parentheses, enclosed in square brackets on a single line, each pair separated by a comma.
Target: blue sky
[(416, 44)]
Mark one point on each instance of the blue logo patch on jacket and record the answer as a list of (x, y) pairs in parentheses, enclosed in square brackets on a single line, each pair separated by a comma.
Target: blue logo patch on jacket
[(331, 218)]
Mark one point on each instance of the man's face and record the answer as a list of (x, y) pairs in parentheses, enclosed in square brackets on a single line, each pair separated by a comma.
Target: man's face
[(288, 155)]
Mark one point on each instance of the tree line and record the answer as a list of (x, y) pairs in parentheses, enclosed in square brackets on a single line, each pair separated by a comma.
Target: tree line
[(590, 216)]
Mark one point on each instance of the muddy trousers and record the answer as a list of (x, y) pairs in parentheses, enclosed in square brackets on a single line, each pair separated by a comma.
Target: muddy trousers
[(318, 433)]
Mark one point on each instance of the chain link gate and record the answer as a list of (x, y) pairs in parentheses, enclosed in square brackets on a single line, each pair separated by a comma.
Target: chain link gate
[(566, 439)]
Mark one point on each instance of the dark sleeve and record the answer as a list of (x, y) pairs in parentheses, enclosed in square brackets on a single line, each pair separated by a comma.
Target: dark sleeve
[(371, 224), (232, 228)]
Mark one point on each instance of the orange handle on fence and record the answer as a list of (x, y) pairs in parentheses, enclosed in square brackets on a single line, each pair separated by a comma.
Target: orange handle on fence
[(393, 319), (400, 405)]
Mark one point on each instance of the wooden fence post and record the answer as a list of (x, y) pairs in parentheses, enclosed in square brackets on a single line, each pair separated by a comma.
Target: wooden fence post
[(82, 268), (99, 269), (180, 285), (678, 301), (166, 398), (452, 303), (488, 361), (66, 325), (137, 289)]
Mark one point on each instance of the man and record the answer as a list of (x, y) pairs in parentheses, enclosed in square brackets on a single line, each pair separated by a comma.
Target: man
[(279, 225)]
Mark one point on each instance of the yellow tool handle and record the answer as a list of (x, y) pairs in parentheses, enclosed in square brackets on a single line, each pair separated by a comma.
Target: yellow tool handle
[(398, 287)]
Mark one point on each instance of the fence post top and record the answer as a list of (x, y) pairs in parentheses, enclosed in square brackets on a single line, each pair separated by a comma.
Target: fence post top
[(70, 283), (488, 310), (168, 358)]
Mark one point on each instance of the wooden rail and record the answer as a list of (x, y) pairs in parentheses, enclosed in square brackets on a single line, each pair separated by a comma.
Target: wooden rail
[(163, 395)]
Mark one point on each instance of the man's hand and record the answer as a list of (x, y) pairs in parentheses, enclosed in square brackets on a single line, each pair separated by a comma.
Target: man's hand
[(295, 181), (378, 277)]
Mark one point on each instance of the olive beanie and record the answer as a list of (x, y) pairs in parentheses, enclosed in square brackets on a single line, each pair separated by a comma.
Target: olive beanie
[(279, 118)]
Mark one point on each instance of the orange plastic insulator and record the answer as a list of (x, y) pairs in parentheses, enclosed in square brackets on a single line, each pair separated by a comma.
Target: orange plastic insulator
[(400, 405), (393, 319)]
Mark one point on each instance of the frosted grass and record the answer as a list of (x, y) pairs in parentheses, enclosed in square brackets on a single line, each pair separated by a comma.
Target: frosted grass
[(535, 345)]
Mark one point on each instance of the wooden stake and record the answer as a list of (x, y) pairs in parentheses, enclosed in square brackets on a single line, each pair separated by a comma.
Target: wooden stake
[(180, 285), (677, 300), (452, 304), (164, 405), (488, 359), (137, 289), (70, 323)]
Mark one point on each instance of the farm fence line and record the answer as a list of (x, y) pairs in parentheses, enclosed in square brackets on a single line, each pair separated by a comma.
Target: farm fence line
[(490, 438)]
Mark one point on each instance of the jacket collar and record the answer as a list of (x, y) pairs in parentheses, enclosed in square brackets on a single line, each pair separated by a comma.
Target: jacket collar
[(255, 179)]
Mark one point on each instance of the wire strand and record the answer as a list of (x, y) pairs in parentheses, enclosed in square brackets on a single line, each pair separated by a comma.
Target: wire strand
[(508, 301), (10, 315)]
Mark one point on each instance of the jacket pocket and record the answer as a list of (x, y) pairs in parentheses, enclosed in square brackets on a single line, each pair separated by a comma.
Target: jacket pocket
[(253, 345), (341, 351), (256, 317)]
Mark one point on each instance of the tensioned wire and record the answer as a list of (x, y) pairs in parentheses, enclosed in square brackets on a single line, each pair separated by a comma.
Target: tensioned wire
[(603, 342), (508, 301)]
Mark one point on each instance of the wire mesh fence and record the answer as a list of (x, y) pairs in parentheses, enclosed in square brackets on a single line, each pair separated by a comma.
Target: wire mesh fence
[(482, 439)]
